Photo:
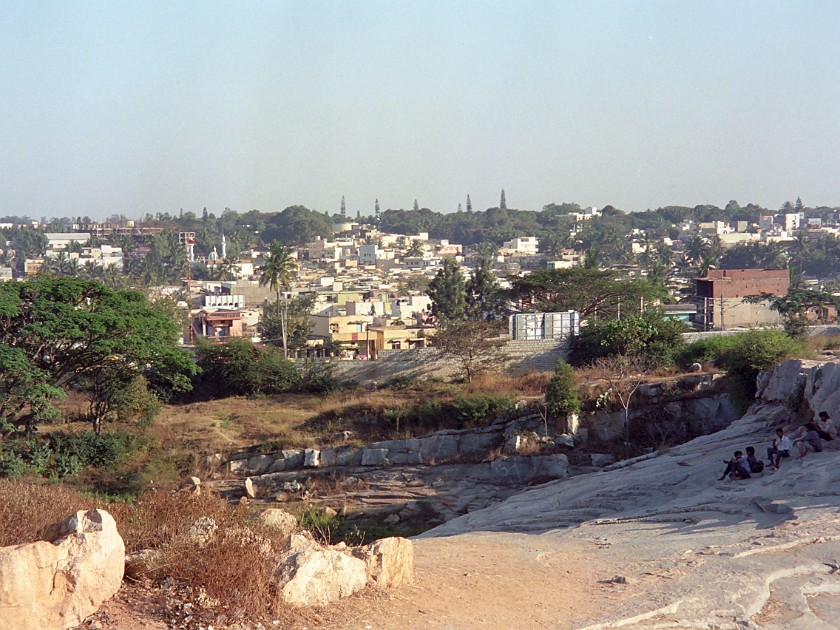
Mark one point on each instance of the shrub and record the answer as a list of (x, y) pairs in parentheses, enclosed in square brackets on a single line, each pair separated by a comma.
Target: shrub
[(708, 350), (752, 352), (465, 411), (561, 396), (477, 409), (134, 401), (650, 334), (239, 368), (60, 455)]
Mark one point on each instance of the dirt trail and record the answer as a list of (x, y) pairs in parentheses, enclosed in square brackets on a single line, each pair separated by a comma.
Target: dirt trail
[(491, 581)]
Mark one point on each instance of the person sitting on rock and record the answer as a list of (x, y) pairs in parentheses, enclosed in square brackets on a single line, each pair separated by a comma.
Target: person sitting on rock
[(736, 468), (825, 427), (810, 442), (756, 465), (781, 448)]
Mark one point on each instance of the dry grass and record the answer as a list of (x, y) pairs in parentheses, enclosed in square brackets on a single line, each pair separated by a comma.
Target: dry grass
[(529, 384), (27, 509), (235, 567)]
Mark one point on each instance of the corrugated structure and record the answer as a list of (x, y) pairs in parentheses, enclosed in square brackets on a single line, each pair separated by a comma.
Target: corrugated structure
[(534, 326)]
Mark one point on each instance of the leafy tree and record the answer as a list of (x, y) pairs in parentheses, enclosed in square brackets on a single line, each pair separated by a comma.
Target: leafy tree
[(296, 225), (503, 201), (753, 256), (800, 306), (239, 368), (469, 204), (649, 333), (561, 395), (585, 290), (448, 293), (277, 273), (471, 345), (483, 296), (82, 333), (26, 393)]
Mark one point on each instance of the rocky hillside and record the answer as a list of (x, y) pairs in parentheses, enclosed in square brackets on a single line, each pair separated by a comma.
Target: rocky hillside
[(753, 553)]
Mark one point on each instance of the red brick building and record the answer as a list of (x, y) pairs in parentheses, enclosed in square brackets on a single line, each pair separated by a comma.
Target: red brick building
[(720, 296)]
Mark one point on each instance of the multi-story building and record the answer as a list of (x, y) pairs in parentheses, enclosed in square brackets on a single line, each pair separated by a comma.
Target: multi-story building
[(720, 294)]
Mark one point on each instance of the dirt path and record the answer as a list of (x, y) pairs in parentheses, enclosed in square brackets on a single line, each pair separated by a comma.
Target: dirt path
[(491, 581)]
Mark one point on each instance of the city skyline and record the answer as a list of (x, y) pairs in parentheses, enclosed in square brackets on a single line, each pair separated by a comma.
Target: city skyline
[(134, 109)]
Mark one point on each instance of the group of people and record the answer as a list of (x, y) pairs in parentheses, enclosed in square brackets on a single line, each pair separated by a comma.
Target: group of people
[(808, 439)]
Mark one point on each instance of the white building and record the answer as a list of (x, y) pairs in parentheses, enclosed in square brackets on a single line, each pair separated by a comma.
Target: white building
[(368, 254), (523, 245), (793, 221)]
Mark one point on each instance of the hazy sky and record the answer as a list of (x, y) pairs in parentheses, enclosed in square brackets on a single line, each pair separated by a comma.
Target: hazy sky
[(128, 107)]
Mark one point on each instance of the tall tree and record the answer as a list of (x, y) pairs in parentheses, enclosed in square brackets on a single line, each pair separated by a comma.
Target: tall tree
[(587, 291), (503, 201), (277, 272), (448, 293), (81, 333), (482, 292), (376, 207), (343, 210), (469, 204), (416, 206)]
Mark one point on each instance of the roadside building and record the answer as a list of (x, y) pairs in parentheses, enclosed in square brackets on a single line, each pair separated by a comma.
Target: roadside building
[(720, 293)]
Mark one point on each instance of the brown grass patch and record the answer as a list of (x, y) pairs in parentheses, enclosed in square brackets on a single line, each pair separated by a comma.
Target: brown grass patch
[(235, 567)]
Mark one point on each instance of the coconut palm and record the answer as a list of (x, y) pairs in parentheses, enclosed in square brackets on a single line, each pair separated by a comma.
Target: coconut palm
[(696, 248), (227, 270), (415, 249), (277, 273), (707, 261)]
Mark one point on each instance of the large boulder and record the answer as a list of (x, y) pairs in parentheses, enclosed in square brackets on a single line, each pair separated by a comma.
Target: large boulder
[(315, 575), (57, 582), (389, 562)]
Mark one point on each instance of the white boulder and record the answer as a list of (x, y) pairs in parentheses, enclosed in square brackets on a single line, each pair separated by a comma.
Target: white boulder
[(57, 582)]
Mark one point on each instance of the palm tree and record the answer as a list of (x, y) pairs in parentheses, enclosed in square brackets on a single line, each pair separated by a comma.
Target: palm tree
[(707, 261), (415, 249), (798, 249), (89, 270), (696, 248), (227, 270), (277, 273)]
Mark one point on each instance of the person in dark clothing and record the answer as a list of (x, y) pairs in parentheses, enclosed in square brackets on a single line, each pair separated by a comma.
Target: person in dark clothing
[(737, 467), (756, 465)]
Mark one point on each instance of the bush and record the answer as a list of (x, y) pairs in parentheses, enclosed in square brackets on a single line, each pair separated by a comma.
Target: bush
[(650, 334), (708, 350), (561, 396), (134, 401), (465, 411), (62, 455), (239, 368), (752, 352)]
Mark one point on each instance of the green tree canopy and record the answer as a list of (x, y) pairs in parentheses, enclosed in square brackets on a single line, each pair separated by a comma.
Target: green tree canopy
[(85, 334), (448, 293), (585, 290)]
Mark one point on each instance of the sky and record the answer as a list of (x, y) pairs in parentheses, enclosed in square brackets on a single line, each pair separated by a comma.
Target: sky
[(131, 107)]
